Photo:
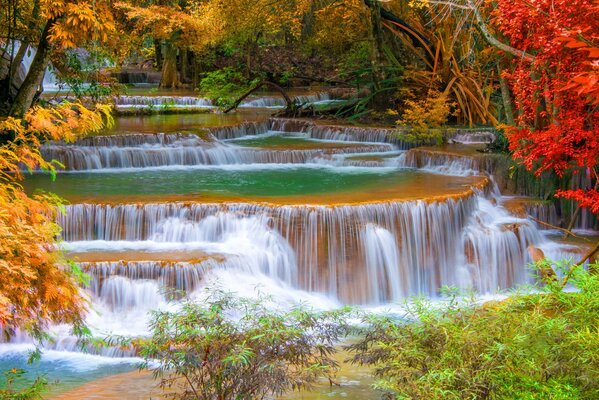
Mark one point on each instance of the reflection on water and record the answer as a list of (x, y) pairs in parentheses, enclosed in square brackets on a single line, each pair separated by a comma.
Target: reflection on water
[(183, 122)]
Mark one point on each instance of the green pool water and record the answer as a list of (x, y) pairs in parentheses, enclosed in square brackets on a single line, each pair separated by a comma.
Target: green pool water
[(280, 184), (276, 141)]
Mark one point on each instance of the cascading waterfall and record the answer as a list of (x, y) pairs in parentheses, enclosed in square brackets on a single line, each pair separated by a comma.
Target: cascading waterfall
[(179, 276), (399, 249), (475, 137), (162, 101), (278, 102), (446, 163), (158, 150), (382, 259), (241, 130), (132, 102)]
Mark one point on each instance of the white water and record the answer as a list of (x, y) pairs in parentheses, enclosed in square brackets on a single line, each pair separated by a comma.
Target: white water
[(124, 102), (192, 102), (50, 82), (374, 253), (152, 151)]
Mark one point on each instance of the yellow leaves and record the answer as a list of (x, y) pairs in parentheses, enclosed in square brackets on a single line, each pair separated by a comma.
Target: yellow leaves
[(340, 24), (424, 117), (79, 21), (184, 27)]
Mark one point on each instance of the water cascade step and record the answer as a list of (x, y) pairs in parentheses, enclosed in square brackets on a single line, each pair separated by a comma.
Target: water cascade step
[(156, 150), (194, 102), (400, 249)]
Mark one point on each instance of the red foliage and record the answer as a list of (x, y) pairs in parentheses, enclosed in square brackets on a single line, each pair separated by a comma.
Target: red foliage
[(588, 199), (557, 93)]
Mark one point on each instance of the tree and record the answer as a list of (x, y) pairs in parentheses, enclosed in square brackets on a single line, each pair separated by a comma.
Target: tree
[(234, 348), (556, 89), (50, 27), (182, 25), (38, 286)]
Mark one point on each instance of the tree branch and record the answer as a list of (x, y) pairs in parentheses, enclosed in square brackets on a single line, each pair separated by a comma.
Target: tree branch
[(290, 103), (579, 263), (482, 28)]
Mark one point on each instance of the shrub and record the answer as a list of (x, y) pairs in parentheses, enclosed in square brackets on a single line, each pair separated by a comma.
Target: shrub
[(14, 386), (530, 346), (230, 348), (425, 118), (224, 86)]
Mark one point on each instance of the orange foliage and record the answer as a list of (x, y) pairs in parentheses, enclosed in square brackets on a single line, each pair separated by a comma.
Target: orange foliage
[(78, 21), (37, 285)]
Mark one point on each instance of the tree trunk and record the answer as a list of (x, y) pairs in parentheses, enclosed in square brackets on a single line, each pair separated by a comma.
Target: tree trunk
[(507, 98), (376, 56), (196, 71), (185, 66), (35, 76), (170, 76), (158, 53), (16, 63), (492, 40)]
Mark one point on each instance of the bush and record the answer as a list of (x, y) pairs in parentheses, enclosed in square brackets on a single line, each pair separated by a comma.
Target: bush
[(224, 86), (425, 118), (530, 346), (14, 386), (230, 348)]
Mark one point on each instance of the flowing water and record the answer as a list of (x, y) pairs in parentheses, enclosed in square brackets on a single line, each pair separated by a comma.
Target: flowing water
[(193, 102), (324, 215)]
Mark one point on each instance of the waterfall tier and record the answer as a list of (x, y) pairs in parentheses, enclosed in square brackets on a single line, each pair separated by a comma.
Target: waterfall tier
[(193, 102), (146, 151), (399, 249)]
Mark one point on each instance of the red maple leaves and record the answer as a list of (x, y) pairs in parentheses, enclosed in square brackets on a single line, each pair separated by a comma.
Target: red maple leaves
[(557, 93)]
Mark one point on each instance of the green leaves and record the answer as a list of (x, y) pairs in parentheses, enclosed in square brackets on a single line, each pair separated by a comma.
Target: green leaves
[(15, 386), (529, 346), (228, 347)]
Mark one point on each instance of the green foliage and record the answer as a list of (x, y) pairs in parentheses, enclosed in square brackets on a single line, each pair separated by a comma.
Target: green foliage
[(231, 348), (83, 78), (369, 96), (15, 386), (355, 61), (530, 346), (224, 86)]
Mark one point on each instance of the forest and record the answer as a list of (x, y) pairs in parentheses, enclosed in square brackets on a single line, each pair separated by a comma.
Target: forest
[(259, 199)]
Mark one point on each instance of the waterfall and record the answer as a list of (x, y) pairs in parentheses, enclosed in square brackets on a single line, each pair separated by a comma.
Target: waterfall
[(279, 102), (131, 102), (50, 82), (237, 131), (123, 102), (447, 163), (475, 137), (382, 260), (371, 253), (179, 276), (159, 150)]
